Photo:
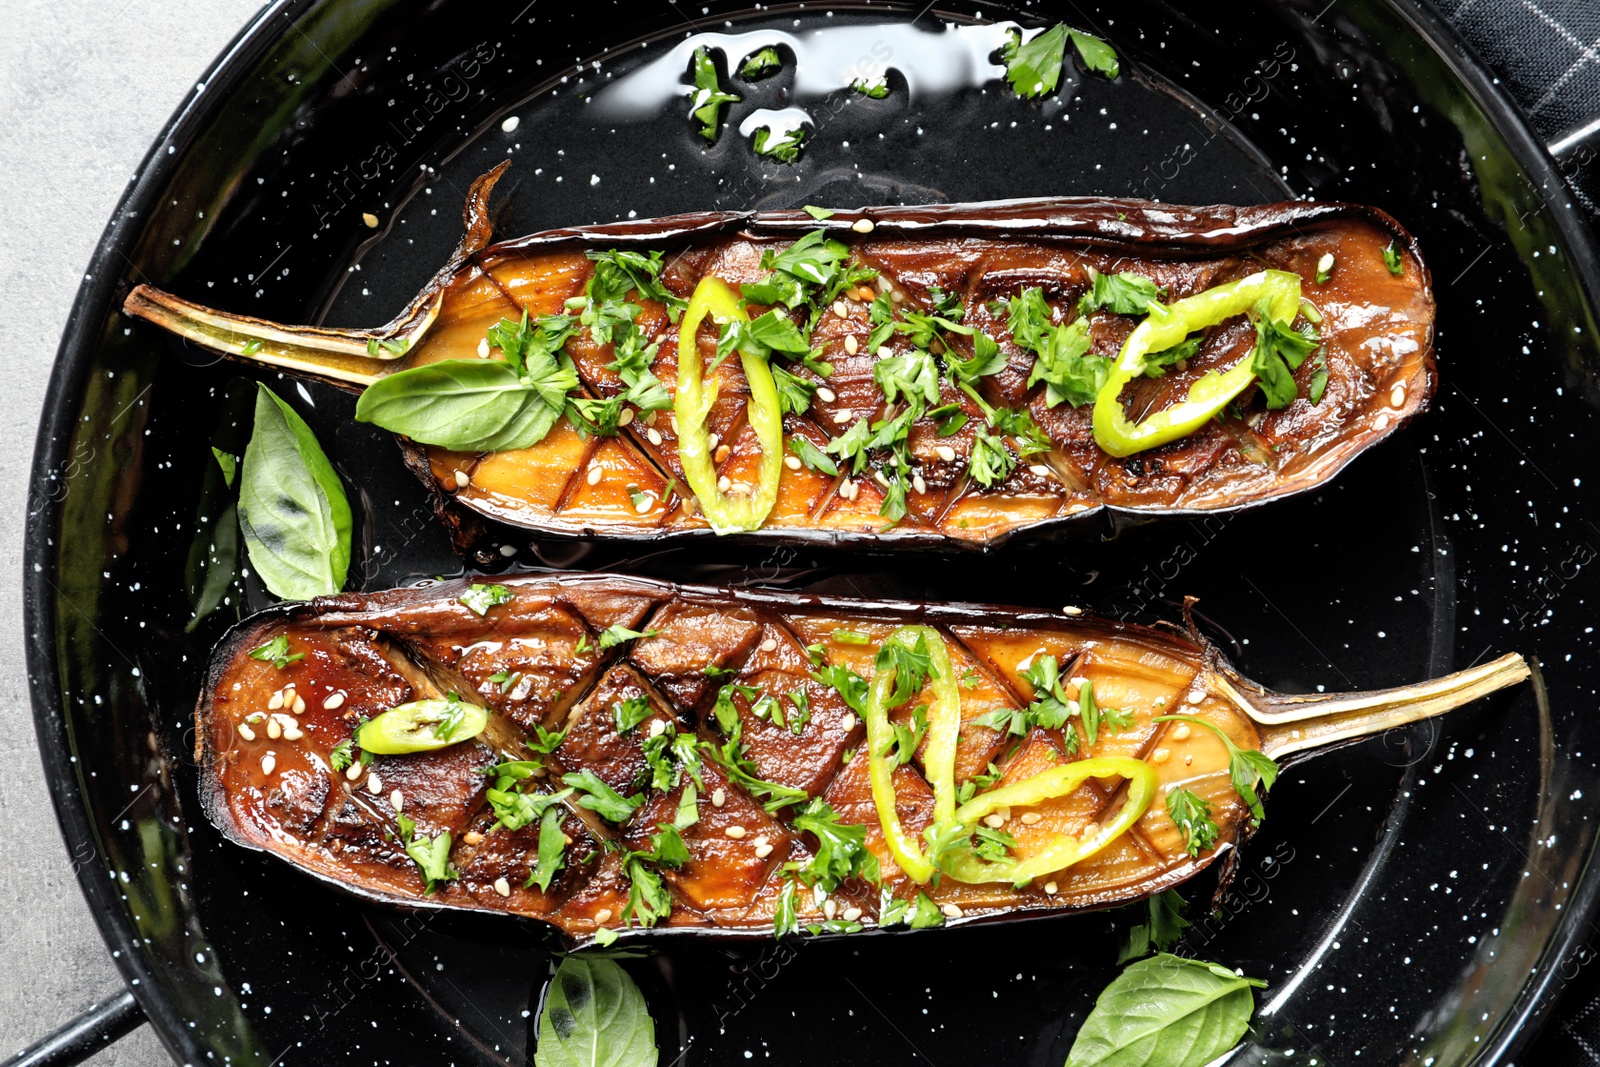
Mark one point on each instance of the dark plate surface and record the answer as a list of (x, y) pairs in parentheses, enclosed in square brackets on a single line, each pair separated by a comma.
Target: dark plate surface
[(1407, 899)]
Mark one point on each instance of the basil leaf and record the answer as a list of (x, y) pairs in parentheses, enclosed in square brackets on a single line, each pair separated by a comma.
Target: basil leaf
[(470, 405), (594, 1015), (1166, 1011), (292, 508)]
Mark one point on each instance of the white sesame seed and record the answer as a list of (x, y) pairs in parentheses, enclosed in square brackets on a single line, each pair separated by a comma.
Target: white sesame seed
[(826, 395), (763, 851), (483, 348), (735, 832), (842, 417), (1397, 396), (851, 345), (299, 704), (463, 479), (724, 483), (603, 915), (276, 701), (946, 453), (1040, 469), (292, 733), (370, 219), (374, 784), (1091, 829), (884, 283), (862, 225), (246, 733), (1161, 755), (848, 721), (353, 771), (472, 837), (1072, 609), (510, 124), (1195, 696), (840, 309), (626, 417), (508, 550), (397, 799), (274, 728), (884, 351), (719, 797), (268, 762), (644, 503), (881, 478), (1051, 889), (829, 909), (918, 484), (502, 886), (951, 911), (851, 490), (994, 820), (897, 296), (792, 462), (658, 727), (850, 914), (1031, 818), (334, 701), (653, 435), (1182, 731), (770, 645), (712, 441), (1325, 264), (593, 477)]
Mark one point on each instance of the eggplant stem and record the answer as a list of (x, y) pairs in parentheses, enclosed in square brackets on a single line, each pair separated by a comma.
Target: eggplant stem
[(1295, 723), (353, 359)]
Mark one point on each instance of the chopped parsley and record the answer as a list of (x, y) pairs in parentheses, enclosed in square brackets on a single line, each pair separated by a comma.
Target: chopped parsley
[(343, 755), (618, 634), (851, 687), (812, 457), (480, 598), (630, 713), (904, 738), (431, 855), (989, 462), (601, 798), (760, 64), (794, 392), (986, 359), (979, 783), (547, 741), (1063, 361), (785, 915), (781, 147), (515, 810), (1034, 67), (993, 845), (841, 848), (1192, 815), (707, 99), (877, 89), (552, 850), (506, 680), (819, 213), (1278, 354), (1392, 260), (276, 652), (1124, 294), (1162, 927), (1156, 363)]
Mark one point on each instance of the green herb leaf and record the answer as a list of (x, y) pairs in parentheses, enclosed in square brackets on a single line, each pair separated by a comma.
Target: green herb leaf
[(292, 507), (1096, 54), (1319, 377), (1156, 363), (913, 377), (594, 1016), (471, 405), (480, 598), (760, 64), (515, 810), (990, 462), (1034, 67), (630, 713), (926, 913), (841, 848), (343, 755), (1161, 929), (819, 213), (1392, 260), (707, 99), (1125, 294), (783, 147), (1192, 815), (1165, 1010), (877, 90), (552, 850), (1064, 363), (1278, 354), (431, 855), (615, 635), (601, 798), (986, 359), (276, 652), (794, 392), (912, 666), (851, 687), (812, 457), (786, 914)]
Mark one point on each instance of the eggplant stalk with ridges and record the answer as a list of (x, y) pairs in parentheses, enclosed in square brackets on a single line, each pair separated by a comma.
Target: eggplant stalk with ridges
[(945, 376), (606, 753)]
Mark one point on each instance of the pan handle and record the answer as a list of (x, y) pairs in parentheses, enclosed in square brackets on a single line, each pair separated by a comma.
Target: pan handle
[(84, 1035)]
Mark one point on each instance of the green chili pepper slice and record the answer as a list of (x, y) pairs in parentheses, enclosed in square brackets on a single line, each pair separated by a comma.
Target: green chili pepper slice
[(939, 756), (693, 402), (421, 726), (1065, 849), (1168, 325)]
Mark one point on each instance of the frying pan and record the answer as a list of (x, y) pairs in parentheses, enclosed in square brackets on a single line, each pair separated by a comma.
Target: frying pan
[(1411, 898)]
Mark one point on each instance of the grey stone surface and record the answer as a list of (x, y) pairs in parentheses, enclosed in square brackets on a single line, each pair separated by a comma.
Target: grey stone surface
[(84, 89)]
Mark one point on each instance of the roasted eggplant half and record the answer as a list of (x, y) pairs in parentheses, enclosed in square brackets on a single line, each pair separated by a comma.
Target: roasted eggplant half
[(617, 755), (946, 376)]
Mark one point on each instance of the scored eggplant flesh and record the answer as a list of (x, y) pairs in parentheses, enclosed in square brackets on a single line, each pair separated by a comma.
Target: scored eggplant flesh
[(1376, 325), (266, 738)]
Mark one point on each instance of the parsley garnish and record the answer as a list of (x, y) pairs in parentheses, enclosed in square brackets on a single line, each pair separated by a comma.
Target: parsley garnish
[(516, 810), (812, 457), (819, 213), (741, 771), (630, 713), (276, 652), (782, 147), (1160, 930), (506, 680), (431, 855), (785, 916), (993, 845), (877, 90), (1392, 260), (601, 798), (342, 755), (1156, 363), (480, 598), (794, 392), (1034, 68), (547, 741), (1124, 294), (708, 98), (1062, 358), (841, 848), (552, 850), (990, 462), (1192, 815), (979, 783), (986, 359), (1278, 354), (760, 64), (912, 376), (850, 686), (618, 634)]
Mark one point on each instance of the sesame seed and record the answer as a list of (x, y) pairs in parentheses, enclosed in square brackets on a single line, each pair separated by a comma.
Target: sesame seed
[(792, 462), (644, 503), (1161, 755), (472, 837), (626, 417), (653, 435), (864, 293), (881, 478), (722, 454), (829, 909), (850, 490), (763, 851), (724, 483), (862, 225), (508, 550), (603, 915), (299, 704), (510, 124), (1040, 469), (1182, 732), (946, 453), (1397, 396), (594, 476), (851, 345), (372, 220), (374, 784), (918, 484), (712, 441), (1325, 264), (994, 820), (397, 799), (1051, 889), (502, 886), (884, 351), (897, 296), (246, 733), (268, 762), (1091, 829), (735, 832), (463, 479), (840, 309), (770, 645), (292, 733), (850, 914), (483, 348), (334, 701), (951, 911), (1195, 696), (884, 283), (1071, 609), (719, 797), (353, 771), (274, 728), (276, 701), (826, 395), (848, 721), (658, 727), (1187, 760)]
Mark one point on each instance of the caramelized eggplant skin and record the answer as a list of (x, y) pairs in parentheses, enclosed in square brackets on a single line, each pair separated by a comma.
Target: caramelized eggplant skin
[(1378, 329), (534, 661)]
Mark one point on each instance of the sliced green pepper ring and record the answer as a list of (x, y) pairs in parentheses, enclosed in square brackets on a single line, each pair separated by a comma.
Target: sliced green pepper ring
[(1168, 325), (421, 726), (693, 402), (939, 755), (1065, 849)]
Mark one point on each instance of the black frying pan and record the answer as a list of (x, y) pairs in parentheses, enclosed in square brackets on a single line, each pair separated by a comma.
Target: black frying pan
[(1408, 898)]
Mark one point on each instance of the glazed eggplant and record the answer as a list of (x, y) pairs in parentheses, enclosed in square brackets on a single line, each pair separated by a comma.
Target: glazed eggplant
[(944, 376), (610, 754)]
